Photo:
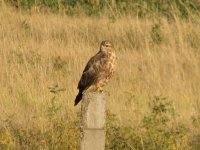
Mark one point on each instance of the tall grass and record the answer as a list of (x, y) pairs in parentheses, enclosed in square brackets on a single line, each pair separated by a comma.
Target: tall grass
[(111, 8), (42, 57)]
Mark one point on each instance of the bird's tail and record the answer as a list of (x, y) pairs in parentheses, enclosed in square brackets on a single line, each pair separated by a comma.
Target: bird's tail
[(78, 98)]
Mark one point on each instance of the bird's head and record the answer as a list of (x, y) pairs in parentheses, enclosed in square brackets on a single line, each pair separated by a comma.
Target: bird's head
[(106, 46)]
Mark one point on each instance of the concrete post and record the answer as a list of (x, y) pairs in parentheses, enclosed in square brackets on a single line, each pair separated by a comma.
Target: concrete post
[(93, 121)]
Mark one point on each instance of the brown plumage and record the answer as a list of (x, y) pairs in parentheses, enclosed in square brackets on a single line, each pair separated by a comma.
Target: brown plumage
[(98, 70)]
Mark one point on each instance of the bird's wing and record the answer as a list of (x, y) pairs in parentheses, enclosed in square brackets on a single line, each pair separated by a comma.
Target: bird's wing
[(91, 71)]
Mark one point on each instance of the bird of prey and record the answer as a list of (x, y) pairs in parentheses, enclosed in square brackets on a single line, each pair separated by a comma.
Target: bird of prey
[(98, 70)]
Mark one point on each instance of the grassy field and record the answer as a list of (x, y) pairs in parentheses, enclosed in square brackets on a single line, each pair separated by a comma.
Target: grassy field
[(42, 57)]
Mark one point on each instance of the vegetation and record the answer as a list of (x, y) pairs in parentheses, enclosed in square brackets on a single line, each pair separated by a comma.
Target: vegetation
[(154, 95), (112, 8), (158, 130)]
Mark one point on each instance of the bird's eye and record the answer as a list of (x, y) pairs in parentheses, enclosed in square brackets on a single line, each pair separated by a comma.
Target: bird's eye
[(107, 45)]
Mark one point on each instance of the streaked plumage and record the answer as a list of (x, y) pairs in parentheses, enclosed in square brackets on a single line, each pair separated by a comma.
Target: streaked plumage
[(98, 70)]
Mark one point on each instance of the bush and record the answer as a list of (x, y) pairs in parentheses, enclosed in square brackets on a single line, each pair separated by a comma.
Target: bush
[(132, 7), (158, 130), (162, 130)]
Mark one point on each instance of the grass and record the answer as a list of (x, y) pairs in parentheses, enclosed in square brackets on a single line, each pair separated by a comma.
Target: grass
[(42, 57)]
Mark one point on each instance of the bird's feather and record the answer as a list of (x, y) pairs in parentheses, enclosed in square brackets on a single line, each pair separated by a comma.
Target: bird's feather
[(91, 72), (97, 71)]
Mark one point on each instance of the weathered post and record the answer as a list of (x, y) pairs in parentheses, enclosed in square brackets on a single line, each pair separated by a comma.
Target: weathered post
[(93, 121)]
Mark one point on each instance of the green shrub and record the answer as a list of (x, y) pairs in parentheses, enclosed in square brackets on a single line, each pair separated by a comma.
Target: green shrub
[(121, 137), (158, 130), (133, 7), (162, 130)]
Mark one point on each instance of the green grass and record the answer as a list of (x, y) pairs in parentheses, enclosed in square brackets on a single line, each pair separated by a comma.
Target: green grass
[(157, 130), (112, 8)]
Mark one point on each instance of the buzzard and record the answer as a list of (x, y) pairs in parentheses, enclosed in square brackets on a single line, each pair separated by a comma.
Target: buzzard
[(98, 70)]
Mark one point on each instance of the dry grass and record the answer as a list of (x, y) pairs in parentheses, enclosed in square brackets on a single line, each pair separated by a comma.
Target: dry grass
[(42, 50)]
